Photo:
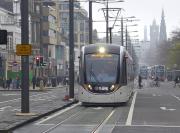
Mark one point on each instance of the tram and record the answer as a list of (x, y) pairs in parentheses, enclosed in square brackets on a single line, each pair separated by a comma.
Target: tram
[(160, 72), (144, 72), (106, 74)]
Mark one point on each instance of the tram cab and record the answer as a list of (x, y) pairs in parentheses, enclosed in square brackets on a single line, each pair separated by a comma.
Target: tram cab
[(105, 74)]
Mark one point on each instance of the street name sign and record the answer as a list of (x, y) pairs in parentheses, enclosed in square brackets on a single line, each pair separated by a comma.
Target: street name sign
[(23, 49)]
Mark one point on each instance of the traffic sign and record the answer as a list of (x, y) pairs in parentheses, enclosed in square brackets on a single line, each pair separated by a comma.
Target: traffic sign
[(23, 49)]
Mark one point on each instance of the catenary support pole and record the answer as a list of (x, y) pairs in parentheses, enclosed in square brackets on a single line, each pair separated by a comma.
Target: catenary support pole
[(24, 59), (71, 48), (107, 22), (90, 22)]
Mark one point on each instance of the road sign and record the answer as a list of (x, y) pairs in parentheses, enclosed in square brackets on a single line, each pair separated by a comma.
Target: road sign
[(23, 49)]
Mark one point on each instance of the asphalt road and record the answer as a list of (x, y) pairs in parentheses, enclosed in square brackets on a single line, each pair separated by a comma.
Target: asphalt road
[(151, 110)]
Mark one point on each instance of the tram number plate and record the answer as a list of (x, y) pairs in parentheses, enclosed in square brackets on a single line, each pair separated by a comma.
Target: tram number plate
[(102, 88)]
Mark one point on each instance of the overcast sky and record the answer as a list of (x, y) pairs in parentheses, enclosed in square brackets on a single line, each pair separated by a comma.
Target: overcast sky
[(145, 10)]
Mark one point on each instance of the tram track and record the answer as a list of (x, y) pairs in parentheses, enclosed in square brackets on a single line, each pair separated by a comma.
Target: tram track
[(96, 129), (103, 122), (60, 123)]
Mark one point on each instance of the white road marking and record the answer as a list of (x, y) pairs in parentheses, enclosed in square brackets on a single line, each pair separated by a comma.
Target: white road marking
[(176, 97), (130, 115), (10, 94), (166, 109), (18, 110), (98, 108), (161, 126), (5, 107), (156, 95), (46, 124), (58, 113), (104, 122)]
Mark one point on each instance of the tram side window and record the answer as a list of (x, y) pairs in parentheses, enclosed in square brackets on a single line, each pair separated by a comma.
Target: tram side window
[(124, 72), (80, 67)]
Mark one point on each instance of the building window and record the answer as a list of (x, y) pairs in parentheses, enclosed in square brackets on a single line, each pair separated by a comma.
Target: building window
[(82, 38), (52, 33), (52, 19), (45, 18), (82, 27), (45, 33), (37, 9)]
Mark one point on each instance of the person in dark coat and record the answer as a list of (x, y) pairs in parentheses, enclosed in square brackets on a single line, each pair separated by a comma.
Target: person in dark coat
[(9, 81), (17, 82), (176, 80), (34, 82), (140, 81)]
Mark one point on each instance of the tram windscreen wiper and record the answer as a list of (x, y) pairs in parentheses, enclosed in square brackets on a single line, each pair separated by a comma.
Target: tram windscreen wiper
[(93, 75)]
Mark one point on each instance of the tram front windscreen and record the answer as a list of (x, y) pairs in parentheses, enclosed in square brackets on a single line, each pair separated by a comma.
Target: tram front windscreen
[(101, 69)]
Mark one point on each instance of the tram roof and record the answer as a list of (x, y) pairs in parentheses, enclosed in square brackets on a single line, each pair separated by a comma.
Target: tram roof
[(114, 48)]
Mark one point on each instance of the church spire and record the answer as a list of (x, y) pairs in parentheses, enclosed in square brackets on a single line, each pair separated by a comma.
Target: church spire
[(163, 34)]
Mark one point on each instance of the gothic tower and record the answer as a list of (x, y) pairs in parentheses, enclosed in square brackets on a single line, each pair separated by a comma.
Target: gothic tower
[(145, 34), (154, 33), (163, 34)]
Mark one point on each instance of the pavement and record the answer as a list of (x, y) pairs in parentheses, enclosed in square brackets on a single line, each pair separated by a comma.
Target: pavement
[(13, 119), (30, 88)]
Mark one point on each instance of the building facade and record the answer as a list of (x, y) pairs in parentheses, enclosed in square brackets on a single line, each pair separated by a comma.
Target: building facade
[(81, 29)]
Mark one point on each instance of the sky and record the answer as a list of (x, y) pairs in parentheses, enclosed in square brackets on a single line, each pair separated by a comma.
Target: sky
[(144, 10)]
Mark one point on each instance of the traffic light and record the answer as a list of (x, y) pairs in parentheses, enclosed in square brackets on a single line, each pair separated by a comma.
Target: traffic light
[(37, 61), (41, 61), (3, 36)]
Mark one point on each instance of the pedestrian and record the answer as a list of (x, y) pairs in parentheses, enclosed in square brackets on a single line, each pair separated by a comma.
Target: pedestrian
[(34, 82), (176, 80), (45, 81), (156, 81), (4, 83), (8, 83), (14, 83), (140, 81), (17, 82)]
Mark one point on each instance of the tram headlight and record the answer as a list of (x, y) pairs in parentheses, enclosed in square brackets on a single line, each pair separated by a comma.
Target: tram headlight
[(102, 50), (89, 87), (112, 87)]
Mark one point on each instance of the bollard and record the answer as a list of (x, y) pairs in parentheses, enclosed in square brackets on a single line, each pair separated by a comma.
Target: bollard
[(66, 97), (41, 85)]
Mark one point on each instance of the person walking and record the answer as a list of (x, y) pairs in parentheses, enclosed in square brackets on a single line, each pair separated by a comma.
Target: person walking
[(17, 82), (140, 81), (9, 81), (34, 82), (157, 82), (4, 83), (176, 80)]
